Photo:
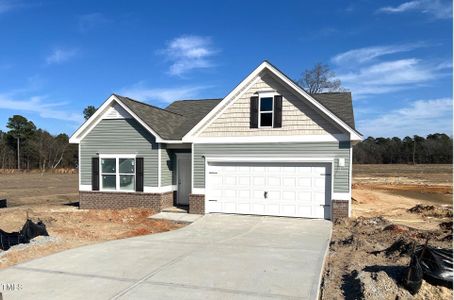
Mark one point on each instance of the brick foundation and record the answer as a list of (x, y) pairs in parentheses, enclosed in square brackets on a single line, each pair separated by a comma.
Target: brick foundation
[(120, 200), (339, 209), (196, 204)]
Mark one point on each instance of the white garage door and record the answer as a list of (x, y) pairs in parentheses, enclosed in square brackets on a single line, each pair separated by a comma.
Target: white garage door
[(278, 189)]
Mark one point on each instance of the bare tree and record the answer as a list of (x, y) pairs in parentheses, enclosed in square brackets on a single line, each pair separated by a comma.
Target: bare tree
[(320, 79)]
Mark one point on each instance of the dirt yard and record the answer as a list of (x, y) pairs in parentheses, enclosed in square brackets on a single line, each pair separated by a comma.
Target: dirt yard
[(51, 198), (383, 195), (390, 202)]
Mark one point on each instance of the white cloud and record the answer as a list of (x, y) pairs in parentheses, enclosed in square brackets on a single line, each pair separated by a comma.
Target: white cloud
[(60, 55), (6, 5), (363, 55), (421, 117), (391, 76), (166, 95), (90, 21), (436, 8), (188, 53), (40, 105), (364, 73)]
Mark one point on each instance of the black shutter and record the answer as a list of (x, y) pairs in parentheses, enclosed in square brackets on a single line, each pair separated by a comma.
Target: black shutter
[(254, 115), (139, 174), (95, 173), (277, 111)]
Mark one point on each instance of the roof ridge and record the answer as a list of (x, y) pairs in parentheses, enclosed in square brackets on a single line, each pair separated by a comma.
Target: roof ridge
[(203, 99), (344, 92), (140, 102)]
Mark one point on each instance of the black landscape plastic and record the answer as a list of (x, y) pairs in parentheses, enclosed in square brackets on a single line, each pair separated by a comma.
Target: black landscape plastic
[(29, 231), (413, 276), (436, 263)]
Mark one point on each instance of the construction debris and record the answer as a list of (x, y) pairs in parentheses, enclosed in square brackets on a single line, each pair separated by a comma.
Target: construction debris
[(29, 231), (371, 258)]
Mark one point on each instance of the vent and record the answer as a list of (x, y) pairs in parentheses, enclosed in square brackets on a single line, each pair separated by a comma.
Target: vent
[(116, 112)]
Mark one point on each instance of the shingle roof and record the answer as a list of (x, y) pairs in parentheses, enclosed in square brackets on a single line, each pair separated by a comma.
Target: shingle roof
[(339, 103), (193, 110), (173, 122), (177, 119), (160, 120)]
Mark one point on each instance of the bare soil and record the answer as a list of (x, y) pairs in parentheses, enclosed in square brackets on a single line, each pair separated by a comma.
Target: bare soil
[(51, 198), (36, 188), (389, 202)]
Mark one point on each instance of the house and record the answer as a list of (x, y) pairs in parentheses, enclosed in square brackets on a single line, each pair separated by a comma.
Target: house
[(267, 148)]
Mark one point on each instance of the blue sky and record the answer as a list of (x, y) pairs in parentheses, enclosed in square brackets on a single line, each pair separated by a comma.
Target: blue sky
[(60, 56)]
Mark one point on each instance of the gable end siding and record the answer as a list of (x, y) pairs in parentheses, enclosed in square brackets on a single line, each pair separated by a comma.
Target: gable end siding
[(119, 136), (298, 117), (279, 150)]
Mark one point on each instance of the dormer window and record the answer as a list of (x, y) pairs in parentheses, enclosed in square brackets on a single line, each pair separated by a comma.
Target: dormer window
[(266, 112)]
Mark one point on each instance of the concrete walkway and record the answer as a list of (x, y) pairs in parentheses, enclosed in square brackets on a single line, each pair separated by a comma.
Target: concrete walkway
[(176, 216), (216, 257)]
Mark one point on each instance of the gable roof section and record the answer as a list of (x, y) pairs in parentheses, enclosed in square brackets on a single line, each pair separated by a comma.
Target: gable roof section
[(193, 111), (161, 120), (339, 103), (167, 125), (179, 121), (240, 88)]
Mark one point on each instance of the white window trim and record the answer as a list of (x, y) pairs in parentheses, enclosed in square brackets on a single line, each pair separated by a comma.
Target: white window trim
[(117, 173), (266, 95)]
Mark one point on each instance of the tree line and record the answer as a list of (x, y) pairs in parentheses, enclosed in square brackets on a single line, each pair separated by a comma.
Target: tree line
[(24, 146), (434, 149)]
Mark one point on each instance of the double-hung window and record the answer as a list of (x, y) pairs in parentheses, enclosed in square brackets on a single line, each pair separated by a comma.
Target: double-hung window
[(266, 111), (118, 173)]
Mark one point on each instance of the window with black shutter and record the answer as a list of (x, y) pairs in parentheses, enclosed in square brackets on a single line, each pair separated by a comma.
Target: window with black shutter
[(277, 111), (95, 173), (254, 112), (139, 174)]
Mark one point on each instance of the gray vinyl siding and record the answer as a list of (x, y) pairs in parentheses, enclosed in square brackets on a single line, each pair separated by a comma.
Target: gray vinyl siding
[(167, 166), (120, 136), (301, 150)]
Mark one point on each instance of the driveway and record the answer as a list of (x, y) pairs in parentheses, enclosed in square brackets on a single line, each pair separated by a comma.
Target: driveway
[(217, 257)]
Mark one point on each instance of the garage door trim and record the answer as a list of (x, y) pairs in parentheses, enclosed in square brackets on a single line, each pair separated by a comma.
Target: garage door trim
[(246, 159)]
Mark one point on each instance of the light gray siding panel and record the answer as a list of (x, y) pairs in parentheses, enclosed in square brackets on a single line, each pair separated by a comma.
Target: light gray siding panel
[(167, 162), (301, 150), (120, 136)]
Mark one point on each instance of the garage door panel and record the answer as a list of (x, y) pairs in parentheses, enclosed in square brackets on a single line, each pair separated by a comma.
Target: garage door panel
[(244, 180), (305, 182), (281, 189), (305, 211), (319, 197), (304, 196), (272, 209), (259, 180), (289, 196), (274, 181), (288, 210), (319, 183), (229, 180), (244, 208), (289, 182), (244, 195), (216, 180), (274, 195), (228, 194)]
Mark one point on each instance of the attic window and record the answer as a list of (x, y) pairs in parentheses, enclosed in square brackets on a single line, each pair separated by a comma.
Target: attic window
[(266, 112)]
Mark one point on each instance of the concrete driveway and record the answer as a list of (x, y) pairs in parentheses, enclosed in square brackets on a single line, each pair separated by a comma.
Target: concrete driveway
[(217, 257)]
